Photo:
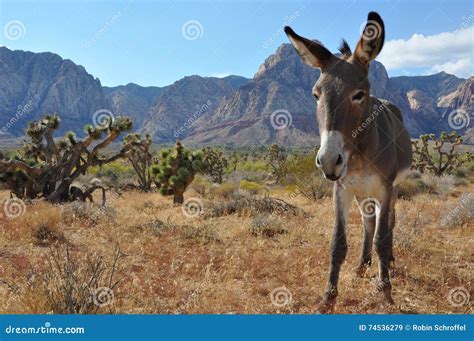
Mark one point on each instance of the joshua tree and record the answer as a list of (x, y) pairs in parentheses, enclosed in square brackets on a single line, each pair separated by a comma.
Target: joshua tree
[(234, 161), (176, 171), (46, 167), (276, 161), (138, 154), (444, 157), (215, 163)]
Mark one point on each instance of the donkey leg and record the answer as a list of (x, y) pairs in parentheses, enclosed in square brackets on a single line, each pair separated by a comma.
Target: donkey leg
[(342, 202), (383, 245), (369, 229), (392, 217)]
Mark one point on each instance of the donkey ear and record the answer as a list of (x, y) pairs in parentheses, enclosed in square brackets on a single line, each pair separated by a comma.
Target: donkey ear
[(371, 41), (312, 53)]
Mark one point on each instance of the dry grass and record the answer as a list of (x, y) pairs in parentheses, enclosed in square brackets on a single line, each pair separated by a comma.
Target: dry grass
[(171, 263)]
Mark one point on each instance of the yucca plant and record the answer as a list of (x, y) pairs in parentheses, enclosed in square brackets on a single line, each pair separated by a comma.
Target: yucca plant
[(139, 155), (48, 165), (439, 155), (176, 170)]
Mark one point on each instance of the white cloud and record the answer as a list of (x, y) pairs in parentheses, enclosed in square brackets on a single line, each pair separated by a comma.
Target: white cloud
[(221, 74), (451, 52), (462, 68)]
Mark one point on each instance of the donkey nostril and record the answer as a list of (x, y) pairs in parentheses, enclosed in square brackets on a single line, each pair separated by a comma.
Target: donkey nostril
[(318, 162), (339, 160)]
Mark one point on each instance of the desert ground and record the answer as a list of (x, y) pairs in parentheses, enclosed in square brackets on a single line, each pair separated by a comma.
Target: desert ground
[(151, 258)]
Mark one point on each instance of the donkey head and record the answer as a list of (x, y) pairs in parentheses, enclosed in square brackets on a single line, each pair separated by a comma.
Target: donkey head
[(342, 92)]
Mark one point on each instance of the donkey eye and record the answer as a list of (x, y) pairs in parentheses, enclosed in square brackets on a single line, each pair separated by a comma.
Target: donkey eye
[(359, 96)]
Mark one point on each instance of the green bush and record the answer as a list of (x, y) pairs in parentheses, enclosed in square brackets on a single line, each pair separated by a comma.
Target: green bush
[(411, 187), (201, 186), (117, 170), (224, 191), (254, 166), (251, 187)]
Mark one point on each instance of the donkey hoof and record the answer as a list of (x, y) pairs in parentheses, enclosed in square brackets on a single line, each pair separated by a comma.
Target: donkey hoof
[(326, 306), (386, 288), (361, 269)]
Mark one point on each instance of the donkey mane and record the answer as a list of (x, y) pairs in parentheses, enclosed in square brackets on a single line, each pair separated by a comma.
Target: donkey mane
[(345, 49)]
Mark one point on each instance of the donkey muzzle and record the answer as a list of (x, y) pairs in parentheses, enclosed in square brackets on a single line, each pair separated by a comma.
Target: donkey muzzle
[(330, 157), (331, 167)]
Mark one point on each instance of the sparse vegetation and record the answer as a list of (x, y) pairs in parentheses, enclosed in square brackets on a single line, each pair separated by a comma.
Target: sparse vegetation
[(256, 231)]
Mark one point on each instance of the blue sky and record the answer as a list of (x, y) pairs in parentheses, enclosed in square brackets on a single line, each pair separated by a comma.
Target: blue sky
[(146, 42)]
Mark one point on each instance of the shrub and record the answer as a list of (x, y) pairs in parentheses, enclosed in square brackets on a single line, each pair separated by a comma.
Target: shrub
[(251, 187), (243, 204), (74, 285), (157, 226), (89, 213), (206, 233), (411, 187), (117, 171), (201, 186), (315, 187), (267, 226), (461, 213), (47, 235), (224, 191)]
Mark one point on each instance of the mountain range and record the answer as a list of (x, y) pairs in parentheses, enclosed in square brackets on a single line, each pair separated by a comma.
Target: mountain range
[(232, 111)]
